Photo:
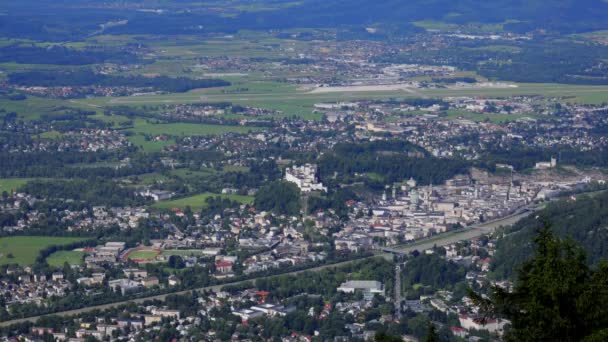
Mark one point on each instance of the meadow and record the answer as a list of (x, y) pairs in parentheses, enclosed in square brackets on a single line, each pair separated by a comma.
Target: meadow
[(149, 145), (143, 254), (301, 103), (10, 184), (197, 202), (187, 129), (58, 259), (24, 250)]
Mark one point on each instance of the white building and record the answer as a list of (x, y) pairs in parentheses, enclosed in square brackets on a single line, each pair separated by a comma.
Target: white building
[(305, 177), (157, 195), (494, 326), (546, 165), (368, 287)]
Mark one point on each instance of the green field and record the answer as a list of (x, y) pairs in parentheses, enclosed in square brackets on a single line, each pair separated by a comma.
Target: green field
[(478, 117), (25, 249), (58, 259), (298, 102), (183, 252), (49, 135), (142, 255), (149, 145), (34, 107), (9, 184), (197, 202), (184, 129)]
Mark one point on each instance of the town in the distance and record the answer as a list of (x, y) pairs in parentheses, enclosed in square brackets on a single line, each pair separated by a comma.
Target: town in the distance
[(303, 171)]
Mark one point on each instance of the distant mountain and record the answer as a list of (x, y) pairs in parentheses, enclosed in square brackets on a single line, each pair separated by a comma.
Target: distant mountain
[(558, 15), (57, 20)]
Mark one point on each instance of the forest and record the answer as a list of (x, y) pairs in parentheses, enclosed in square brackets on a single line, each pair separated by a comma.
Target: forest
[(395, 161), (88, 78), (60, 55), (583, 220)]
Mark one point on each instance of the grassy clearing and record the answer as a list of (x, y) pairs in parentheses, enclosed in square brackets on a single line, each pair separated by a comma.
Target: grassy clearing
[(50, 135), (9, 184), (435, 25), (497, 48), (58, 259), (142, 254), (477, 117), (187, 173), (300, 103), (197, 202), (25, 249), (186, 129), (149, 145)]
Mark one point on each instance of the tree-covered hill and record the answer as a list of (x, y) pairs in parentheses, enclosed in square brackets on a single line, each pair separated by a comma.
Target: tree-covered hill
[(584, 220), (52, 20)]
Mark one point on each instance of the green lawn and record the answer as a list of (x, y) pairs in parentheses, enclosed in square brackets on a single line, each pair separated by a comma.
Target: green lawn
[(50, 135), (57, 259), (9, 184), (142, 254), (197, 202), (34, 107), (149, 145), (496, 118), (185, 129), (297, 102), (25, 249)]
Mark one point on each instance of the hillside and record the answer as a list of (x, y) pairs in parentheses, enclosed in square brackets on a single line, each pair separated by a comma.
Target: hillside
[(584, 220), (78, 19)]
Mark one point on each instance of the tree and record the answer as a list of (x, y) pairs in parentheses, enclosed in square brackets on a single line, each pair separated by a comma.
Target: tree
[(176, 261), (557, 296), (280, 197), (432, 335), (382, 336)]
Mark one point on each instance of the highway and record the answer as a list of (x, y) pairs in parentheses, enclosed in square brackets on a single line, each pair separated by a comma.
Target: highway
[(437, 240), (460, 235)]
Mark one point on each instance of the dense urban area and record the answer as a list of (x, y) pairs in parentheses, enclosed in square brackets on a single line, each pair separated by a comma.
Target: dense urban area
[(217, 171)]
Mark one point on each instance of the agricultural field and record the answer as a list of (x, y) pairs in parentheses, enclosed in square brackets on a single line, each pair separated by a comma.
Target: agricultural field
[(58, 259), (477, 117), (149, 145), (197, 202), (24, 250), (50, 135), (300, 102), (184, 129), (32, 108)]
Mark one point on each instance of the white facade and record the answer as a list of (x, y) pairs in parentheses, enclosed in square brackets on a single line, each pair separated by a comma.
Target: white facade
[(366, 286), (305, 177), (495, 326)]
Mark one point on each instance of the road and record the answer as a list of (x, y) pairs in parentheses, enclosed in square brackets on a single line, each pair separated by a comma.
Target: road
[(438, 240), (214, 288), (460, 235), (398, 292)]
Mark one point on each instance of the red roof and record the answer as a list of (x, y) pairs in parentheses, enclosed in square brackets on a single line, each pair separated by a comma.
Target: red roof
[(223, 263)]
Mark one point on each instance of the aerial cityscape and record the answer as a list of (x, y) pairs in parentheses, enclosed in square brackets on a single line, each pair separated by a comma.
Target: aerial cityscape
[(293, 171)]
